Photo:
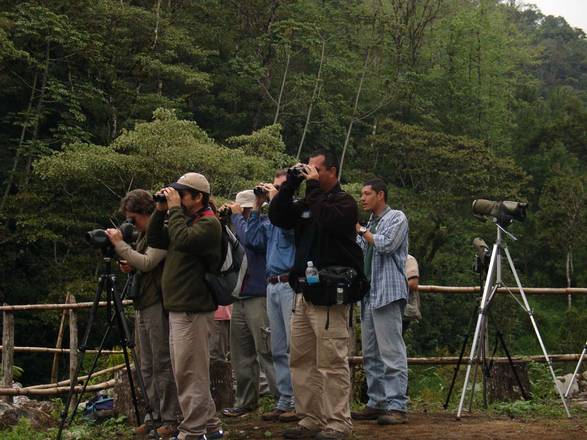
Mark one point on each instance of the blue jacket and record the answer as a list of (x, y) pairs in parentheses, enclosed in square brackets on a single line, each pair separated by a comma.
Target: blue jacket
[(255, 283), (279, 243)]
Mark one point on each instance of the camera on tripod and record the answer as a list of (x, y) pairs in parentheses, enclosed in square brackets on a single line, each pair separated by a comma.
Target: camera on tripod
[(98, 238), (504, 212)]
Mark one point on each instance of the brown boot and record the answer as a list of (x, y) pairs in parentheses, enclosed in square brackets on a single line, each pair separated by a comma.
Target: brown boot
[(368, 413), (299, 432), (289, 416), (393, 418), (167, 431), (272, 416), (144, 429)]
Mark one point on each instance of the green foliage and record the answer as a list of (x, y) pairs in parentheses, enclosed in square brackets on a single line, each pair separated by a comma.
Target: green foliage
[(457, 100)]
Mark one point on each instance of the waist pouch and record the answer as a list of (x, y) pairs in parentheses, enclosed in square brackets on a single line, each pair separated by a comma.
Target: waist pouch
[(338, 285)]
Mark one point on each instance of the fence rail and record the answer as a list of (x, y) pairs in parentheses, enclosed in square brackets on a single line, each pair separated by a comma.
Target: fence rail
[(70, 310)]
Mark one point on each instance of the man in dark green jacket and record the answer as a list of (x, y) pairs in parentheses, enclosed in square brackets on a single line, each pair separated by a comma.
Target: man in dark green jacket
[(192, 238)]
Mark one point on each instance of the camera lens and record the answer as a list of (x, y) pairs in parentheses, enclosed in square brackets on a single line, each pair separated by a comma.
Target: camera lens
[(159, 198)]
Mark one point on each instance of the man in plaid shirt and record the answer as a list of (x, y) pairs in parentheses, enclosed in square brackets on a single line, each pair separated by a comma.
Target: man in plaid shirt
[(385, 247)]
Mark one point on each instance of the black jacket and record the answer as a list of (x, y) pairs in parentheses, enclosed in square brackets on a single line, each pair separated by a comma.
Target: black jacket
[(324, 223)]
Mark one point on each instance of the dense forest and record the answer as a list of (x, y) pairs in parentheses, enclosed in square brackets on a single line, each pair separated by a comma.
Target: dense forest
[(447, 100)]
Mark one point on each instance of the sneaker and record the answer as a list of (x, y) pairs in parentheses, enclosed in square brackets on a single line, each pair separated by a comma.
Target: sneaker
[(167, 431), (331, 434), (219, 433), (235, 412), (368, 413), (393, 418), (289, 416), (272, 416), (299, 432)]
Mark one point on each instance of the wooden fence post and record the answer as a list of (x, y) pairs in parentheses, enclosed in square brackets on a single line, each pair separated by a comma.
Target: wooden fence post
[(7, 352), (73, 341), (58, 344)]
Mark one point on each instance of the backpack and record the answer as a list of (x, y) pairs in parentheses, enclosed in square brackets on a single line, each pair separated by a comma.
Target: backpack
[(226, 283)]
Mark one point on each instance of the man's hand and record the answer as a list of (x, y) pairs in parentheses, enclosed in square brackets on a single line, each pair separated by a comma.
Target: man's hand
[(125, 267), (358, 227), (114, 235), (235, 208), (172, 196), (161, 206), (310, 172)]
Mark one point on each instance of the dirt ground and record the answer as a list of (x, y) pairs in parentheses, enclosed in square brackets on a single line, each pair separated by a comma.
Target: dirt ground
[(433, 426)]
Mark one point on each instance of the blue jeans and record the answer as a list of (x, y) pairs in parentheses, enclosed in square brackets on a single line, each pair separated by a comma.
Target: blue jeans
[(280, 299), (384, 356)]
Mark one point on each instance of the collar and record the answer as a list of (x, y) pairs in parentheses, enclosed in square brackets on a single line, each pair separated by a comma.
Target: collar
[(375, 218), (203, 212)]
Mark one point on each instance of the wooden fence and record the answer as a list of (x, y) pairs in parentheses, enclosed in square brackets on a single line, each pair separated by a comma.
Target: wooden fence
[(70, 309)]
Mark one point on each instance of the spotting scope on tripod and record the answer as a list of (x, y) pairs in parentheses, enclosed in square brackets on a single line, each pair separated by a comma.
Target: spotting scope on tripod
[(106, 289), (502, 213)]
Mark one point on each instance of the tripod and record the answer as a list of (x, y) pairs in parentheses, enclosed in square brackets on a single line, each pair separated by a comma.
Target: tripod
[(576, 371), (492, 283), (480, 267), (106, 284)]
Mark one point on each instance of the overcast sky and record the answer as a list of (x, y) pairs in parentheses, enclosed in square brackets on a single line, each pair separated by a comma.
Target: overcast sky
[(574, 11)]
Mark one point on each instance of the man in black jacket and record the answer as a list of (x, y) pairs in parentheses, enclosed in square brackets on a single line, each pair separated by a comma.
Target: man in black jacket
[(324, 222)]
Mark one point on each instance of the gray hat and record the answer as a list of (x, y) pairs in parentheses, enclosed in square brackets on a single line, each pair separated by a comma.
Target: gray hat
[(246, 199), (192, 181)]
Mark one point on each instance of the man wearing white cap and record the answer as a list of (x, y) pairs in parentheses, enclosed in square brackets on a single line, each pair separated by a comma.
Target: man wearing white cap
[(250, 343), (192, 238)]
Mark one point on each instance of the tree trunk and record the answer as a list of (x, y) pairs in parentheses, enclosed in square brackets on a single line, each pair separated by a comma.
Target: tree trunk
[(315, 94), (282, 87), (19, 148), (356, 106), (38, 111), (502, 383)]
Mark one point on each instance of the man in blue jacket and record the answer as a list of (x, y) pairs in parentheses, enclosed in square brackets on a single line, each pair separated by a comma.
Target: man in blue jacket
[(250, 342), (280, 247)]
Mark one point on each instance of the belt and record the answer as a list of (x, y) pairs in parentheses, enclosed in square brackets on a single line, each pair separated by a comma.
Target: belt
[(278, 279)]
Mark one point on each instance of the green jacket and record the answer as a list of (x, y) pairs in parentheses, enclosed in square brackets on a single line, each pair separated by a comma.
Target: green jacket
[(150, 282), (192, 247)]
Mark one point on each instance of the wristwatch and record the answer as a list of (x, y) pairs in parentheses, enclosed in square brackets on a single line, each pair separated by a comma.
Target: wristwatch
[(362, 230)]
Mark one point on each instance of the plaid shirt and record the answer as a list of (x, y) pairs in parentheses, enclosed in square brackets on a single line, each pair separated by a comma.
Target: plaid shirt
[(388, 279)]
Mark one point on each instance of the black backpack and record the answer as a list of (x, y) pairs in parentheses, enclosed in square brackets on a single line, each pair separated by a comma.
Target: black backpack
[(226, 282)]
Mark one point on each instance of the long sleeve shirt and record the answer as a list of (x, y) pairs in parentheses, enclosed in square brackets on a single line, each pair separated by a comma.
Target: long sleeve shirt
[(255, 283), (261, 235), (390, 250)]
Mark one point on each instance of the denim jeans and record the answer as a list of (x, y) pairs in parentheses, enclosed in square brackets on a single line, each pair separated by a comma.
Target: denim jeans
[(384, 356), (280, 299)]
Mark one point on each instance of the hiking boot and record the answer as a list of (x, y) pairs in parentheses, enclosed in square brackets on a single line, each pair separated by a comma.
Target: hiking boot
[(167, 431), (331, 434), (289, 416), (368, 413), (299, 432), (393, 418), (272, 416), (235, 412)]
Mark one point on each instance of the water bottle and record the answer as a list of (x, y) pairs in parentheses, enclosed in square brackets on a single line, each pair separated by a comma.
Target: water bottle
[(340, 294), (312, 277)]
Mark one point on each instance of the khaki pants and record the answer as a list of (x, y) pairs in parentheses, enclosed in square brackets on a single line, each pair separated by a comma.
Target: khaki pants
[(153, 333), (250, 349), (188, 341), (319, 366)]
